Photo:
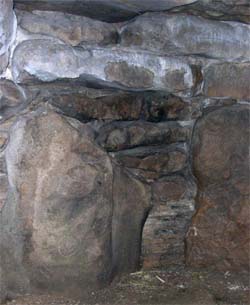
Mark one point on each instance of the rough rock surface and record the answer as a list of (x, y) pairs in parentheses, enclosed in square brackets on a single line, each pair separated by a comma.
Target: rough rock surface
[(123, 135), (152, 162), (118, 10), (71, 29), (7, 29), (77, 101), (115, 67), (219, 235), (132, 201), (183, 34), (89, 104), (168, 221), (75, 193), (111, 11), (13, 99), (238, 10), (57, 219), (227, 80)]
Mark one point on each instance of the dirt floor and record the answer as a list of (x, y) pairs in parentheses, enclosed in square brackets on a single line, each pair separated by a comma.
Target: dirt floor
[(176, 286)]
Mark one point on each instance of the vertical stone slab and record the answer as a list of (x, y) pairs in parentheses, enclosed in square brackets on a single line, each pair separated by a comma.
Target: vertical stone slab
[(131, 204), (57, 220), (219, 234)]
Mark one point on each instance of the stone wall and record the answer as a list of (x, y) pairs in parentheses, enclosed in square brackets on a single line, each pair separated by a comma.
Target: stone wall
[(122, 143)]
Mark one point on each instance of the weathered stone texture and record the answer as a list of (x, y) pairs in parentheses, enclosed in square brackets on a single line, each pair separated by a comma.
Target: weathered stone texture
[(183, 34), (114, 67), (13, 99), (75, 100), (57, 223), (151, 162), (4, 139), (238, 10), (123, 135), (132, 201), (71, 29), (111, 11), (227, 80), (116, 10), (95, 173), (168, 221), (7, 31), (219, 235)]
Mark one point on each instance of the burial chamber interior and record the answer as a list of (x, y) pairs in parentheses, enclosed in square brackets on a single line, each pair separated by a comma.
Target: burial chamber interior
[(124, 150)]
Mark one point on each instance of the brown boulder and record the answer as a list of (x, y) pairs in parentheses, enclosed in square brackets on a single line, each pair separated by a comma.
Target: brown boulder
[(227, 80), (219, 235), (57, 219)]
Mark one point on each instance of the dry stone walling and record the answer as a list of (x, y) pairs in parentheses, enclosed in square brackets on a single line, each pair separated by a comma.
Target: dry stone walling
[(122, 144)]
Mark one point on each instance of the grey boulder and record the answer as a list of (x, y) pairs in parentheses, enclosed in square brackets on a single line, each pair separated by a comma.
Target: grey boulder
[(114, 67), (185, 34)]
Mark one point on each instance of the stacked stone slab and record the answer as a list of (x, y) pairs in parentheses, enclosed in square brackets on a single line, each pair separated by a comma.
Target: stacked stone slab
[(121, 144)]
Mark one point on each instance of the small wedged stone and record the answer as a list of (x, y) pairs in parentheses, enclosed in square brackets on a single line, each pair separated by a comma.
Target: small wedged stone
[(163, 239), (152, 162), (167, 107), (124, 135), (187, 35), (13, 99), (114, 67), (227, 80), (71, 29)]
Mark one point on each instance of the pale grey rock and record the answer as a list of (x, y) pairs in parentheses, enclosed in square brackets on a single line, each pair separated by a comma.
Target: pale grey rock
[(115, 67), (187, 35), (2, 285), (7, 31), (71, 29), (111, 10), (4, 60)]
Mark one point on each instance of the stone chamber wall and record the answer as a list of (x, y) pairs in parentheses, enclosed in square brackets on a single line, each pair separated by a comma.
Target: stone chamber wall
[(124, 140)]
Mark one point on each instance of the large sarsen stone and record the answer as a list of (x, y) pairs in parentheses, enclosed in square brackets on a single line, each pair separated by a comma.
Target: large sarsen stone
[(57, 219), (219, 235)]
